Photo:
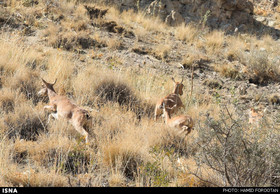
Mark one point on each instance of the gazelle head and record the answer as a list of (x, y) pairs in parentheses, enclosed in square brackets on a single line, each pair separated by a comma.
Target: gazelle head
[(46, 86), (178, 87)]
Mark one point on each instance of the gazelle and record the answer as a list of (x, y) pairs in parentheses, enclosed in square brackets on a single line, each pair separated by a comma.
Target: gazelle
[(183, 122), (171, 100), (62, 107)]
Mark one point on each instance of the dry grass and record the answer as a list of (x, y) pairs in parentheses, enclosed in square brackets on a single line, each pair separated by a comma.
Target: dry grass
[(228, 70), (162, 50), (187, 33), (235, 49), (114, 43), (190, 60), (7, 103), (214, 42), (148, 23), (127, 148), (119, 144)]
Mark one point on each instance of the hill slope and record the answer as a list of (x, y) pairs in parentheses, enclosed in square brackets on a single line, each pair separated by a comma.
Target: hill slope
[(117, 64)]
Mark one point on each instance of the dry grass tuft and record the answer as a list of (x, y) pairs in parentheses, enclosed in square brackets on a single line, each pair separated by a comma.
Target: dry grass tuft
[(119, 92), (24, 123), (228, 70), (214, 42), (82, 47), (124, 157), (7, 100), (114, 91), (26, 82), (161, 51), (186, 33), (33, 178), (260, 68)]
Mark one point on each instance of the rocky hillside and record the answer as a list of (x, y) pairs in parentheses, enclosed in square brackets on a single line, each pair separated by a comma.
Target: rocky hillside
[(229, 16), (116, 59)]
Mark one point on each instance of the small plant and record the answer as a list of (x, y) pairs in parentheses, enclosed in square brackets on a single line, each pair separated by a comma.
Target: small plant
[(261, 69), (153, 170), (240, 155), (205, 18), (138, 5), (77, 160)]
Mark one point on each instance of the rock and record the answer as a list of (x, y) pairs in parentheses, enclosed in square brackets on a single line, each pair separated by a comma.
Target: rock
[(167, 10), (227, 28), (271, 23), (261, 19), (274, 99), (174, 19), (231, 5), (95, 12), (158, 9), (246, 6), (227, 4), (240, 17), (129, 3), (184, 2), (275, 3), (242, 89), (242, 28), (213, 83)]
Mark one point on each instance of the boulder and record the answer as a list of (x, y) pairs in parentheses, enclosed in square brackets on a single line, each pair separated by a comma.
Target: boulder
[(129, 3), (174, 19)]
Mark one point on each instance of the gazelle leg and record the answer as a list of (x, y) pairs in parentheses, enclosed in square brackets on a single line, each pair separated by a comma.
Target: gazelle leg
[(158, 113), (184, 131), (49, 118), (49, 107), (82, 131), (54, 115)]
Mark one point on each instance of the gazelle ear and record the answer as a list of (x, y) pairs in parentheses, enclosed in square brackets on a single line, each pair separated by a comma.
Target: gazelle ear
[(173, 79), (44, 81)]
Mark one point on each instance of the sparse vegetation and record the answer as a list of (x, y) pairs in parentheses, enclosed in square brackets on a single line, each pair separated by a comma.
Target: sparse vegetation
[(116, 64)]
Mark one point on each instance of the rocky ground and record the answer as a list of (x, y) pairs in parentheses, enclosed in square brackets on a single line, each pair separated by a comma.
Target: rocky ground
[(231, 17), (231, 49), (130, 49)]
